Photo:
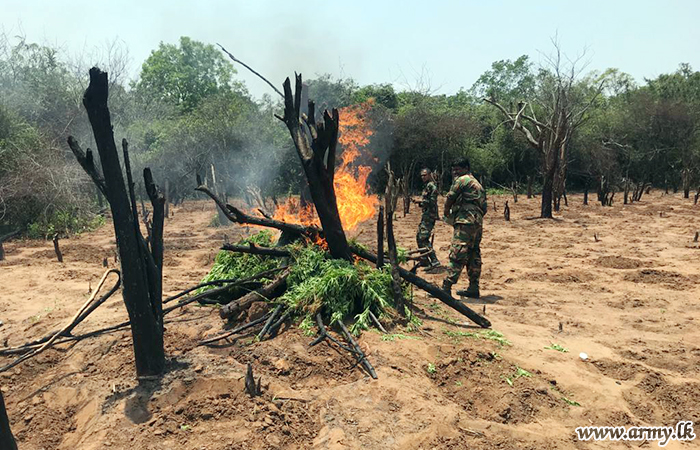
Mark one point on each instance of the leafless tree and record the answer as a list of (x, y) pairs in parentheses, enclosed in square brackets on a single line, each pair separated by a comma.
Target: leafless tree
[(562, 106)]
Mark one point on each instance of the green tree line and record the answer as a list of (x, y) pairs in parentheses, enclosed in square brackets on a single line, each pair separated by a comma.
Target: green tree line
[(188, 114)]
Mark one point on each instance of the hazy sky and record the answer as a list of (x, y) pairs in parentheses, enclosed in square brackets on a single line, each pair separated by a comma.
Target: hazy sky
[(453, 42)]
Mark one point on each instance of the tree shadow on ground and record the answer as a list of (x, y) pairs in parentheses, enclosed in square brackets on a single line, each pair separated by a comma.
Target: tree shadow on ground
[(138, 397), (483, 300)]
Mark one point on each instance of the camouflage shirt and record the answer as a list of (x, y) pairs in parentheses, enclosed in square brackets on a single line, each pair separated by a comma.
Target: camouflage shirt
[(429, 201), (469, 200)]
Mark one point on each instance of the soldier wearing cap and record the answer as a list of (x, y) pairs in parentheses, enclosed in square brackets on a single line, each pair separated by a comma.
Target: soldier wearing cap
[(429, 206), (465, 207)]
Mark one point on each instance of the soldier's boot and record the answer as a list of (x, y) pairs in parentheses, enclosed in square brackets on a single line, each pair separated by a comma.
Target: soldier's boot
[(435, 266), (472, 291), (447, 286)]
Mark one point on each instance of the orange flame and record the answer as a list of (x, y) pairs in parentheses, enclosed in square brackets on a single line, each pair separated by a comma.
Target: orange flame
[(355, 204)]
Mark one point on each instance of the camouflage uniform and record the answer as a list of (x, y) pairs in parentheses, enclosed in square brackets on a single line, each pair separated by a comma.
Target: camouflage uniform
[(428, 204), (467, 213)]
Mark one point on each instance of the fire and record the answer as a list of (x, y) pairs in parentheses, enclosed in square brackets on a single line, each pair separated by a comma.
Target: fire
[(355, 204), (292, 212)]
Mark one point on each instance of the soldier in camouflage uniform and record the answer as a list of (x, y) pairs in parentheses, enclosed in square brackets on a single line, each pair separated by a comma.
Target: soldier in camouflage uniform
[(429, 206), (465, 207)]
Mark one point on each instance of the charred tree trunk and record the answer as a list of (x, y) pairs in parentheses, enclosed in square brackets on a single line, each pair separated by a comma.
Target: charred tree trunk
[(100, 198), (685, 178), (139, 270), (221, 193), (380, 238), (389, 197), (7, 441), (166, 196), (585, 196), (316, 146), (57, 248), (2, 241), (546, 207)]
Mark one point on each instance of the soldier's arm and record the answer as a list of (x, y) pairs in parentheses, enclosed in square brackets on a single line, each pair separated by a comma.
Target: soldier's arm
[(451, 197)]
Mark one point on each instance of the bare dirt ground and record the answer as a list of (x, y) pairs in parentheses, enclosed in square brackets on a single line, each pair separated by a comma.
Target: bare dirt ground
[(629, 300)]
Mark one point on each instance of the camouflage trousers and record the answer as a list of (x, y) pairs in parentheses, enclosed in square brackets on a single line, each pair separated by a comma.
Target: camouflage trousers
[(465, 251), (425, 229)]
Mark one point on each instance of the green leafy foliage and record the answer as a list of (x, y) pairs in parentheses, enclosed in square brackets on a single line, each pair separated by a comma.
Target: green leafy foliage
[(186, 74), (341, 289), (557, 347), (570, 402), (64, 223), (231, 265), (491, 335), (393, 337), (519, 373)]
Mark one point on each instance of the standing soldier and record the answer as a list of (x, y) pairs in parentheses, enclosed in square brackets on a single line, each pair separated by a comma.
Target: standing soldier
[(465, 207), (428, 204)]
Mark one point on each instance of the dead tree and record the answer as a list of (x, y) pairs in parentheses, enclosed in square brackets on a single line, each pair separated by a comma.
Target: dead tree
[(405, 183), (551, 134), (686, 176), (316, 146), (380, 237), (2, 241), (141, 265), (390, 203), (57, 249), (7, 441), (606, 193), (220, 192)]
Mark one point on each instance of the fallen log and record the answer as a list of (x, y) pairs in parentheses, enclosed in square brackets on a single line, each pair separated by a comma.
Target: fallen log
[(82, 313), (429, 288), (234, 282), (405, 274), (68, 338), (255, 250), (265, 293), (237, 216)]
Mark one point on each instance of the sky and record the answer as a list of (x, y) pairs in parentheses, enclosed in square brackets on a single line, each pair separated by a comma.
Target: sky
[(447, 44)]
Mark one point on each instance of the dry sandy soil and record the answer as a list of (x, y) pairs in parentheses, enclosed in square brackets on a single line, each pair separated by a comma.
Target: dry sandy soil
[(628, 299)]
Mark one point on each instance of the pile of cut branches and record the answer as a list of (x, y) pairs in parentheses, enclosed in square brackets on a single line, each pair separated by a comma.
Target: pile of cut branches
[(317, 283)]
